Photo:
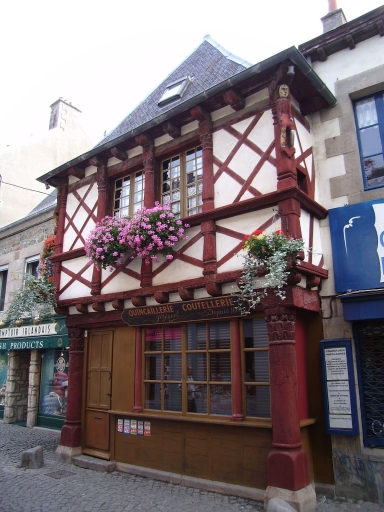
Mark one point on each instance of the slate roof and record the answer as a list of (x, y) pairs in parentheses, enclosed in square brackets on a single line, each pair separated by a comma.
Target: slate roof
[(47, 202), (207, 66)]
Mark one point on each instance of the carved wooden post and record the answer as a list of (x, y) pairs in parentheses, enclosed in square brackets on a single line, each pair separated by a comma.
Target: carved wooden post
[(71, 431), (149, 194), (207, 227), (102, 211), (287, 462), (236, 375), (59, 215), (138, 371)]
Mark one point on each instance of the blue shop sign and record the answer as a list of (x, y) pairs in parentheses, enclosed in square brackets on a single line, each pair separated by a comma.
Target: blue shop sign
[(357, 234)]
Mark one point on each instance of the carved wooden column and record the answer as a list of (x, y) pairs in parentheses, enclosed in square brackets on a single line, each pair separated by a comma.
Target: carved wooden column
[(138, 371), (102, 211), (59, 215), (207, 227), (236, 375), (149, 194), (287, 461), (71, 431)]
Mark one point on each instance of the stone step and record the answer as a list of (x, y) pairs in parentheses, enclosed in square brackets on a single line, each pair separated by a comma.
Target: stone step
[(87, 462)]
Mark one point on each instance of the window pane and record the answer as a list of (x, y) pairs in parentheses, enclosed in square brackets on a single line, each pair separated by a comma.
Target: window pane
[(258, 401), (221, 400), (152, 396), (257, 366), (172, 337), (3, 286), (198, 363), (153, 339), (220, 367), (255, 333), (370, 141), (153, 367), (197, 336), (366, 112), (374, 168), (173, 367), (219, 335), (172, 397)]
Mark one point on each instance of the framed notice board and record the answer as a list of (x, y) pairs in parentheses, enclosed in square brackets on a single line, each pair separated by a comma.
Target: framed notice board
[(339, 387)]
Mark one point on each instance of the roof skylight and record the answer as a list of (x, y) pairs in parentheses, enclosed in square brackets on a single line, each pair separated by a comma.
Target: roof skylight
[(174, 90)]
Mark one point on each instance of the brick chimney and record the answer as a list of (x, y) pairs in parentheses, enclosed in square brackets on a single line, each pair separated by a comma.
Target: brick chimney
[(335, 17), (63, 114)]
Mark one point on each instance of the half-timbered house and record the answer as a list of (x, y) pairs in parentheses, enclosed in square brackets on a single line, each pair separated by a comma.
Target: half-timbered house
[(230, 146)]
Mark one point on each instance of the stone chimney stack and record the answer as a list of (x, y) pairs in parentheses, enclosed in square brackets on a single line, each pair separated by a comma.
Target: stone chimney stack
[(335, 17), (63, 114)]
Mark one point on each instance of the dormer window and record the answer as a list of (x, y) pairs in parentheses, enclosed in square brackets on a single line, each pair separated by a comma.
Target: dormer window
[(174, 91)]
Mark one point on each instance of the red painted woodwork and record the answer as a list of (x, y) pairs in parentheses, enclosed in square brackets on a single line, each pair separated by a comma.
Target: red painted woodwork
[(62, 194), (234, 99), (236, 374), (118, 304), (77, 172), (214, 289), (138, 371), (138, 301), (161, 297), (98, 307), (186, 293), (119, 153), (287, 462), (102, 210), (171, 130), (302, 372), (209, 248), (71, 431)]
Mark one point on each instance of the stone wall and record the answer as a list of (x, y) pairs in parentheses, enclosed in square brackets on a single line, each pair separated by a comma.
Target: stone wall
[(34, 387), (16, 395)]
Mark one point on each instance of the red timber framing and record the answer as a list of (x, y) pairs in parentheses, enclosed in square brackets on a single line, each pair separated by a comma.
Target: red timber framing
[(287, 460)]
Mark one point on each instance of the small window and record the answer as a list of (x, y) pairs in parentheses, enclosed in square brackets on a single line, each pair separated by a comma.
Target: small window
[(174, 91), (128, 194), (182, 182), (31, 266), (3, 286), (369, 114)]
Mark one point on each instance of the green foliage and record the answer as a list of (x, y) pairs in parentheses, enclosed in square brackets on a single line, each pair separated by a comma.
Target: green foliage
[(36, 298)]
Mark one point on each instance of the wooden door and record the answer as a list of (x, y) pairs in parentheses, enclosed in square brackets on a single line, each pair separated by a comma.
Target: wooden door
[(99, 387)]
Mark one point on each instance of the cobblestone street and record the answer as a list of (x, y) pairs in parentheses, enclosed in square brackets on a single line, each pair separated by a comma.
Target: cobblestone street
[(58, 487)]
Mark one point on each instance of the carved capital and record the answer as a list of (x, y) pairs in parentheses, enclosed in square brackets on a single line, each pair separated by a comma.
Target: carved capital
[(199, 113), (119, 153), (206, 141), (234, 99), (281, 325), (98, 161)]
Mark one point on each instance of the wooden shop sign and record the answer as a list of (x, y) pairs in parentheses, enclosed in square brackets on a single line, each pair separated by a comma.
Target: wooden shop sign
[(189, 311)]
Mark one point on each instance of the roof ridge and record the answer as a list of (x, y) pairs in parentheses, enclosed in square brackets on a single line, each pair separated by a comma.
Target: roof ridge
[(226, 53)]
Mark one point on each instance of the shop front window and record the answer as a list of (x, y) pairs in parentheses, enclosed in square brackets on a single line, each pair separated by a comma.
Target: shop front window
[(188, 368), (54, 382)]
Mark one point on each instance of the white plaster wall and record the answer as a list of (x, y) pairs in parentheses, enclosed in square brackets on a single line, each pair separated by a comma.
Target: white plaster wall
[(122, 281), (305, 140), (189, 127), (260, 96), (80, 217), (91, 169), (366, 55), (263, 133), (77, 289)]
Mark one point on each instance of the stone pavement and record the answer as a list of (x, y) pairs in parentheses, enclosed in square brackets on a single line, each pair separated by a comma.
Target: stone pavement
[(58, 487)]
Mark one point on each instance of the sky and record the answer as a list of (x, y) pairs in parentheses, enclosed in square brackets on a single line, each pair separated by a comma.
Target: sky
[(107, 56)]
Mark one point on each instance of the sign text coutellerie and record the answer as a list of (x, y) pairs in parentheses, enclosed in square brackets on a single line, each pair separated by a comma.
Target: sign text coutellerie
[(194, 310)]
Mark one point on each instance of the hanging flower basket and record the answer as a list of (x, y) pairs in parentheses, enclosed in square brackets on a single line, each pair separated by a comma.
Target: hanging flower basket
[(268, 259), (149, 233)]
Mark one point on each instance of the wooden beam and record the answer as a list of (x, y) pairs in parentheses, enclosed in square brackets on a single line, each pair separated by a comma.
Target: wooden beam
[(321, 54), (199, 113), (61, 311), (99, 307), (214, 289), (119, 153), (234, 99), (186, 293), (82, 308), (350, 42), (77, 172), (380, 27), (161, 297), (98, 161), (143, 139), (171, 130), (118, 304), (138, 301)]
